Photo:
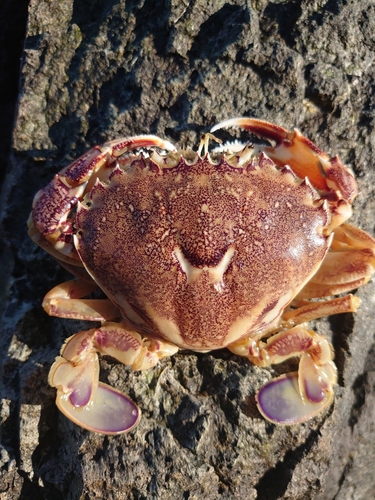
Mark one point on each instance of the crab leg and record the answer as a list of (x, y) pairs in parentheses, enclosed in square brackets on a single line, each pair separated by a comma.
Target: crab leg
[(306, 311), (65, 301), (89, 403), (339, 273), (80, 396), (349, 236), (294, 397), (349, 264), (302, 155)]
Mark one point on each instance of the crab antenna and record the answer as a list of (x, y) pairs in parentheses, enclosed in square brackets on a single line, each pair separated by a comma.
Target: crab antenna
[(204, 143)]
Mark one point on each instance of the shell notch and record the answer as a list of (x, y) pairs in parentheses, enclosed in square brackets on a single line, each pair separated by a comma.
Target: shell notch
[(201, 250)]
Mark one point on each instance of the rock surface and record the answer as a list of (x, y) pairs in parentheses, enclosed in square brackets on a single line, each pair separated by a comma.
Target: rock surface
[(174, 69)]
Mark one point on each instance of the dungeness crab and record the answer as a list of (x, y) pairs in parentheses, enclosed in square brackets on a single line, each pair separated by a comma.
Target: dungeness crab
[(201, 250)]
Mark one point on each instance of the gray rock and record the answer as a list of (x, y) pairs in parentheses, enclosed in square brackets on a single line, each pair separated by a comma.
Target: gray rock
[(96, 71)]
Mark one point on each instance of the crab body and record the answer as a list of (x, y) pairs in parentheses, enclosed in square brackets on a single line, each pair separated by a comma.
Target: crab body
[(201, 251), (229, 246)]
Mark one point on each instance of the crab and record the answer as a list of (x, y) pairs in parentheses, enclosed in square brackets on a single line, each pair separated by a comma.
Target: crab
[(236, 247)]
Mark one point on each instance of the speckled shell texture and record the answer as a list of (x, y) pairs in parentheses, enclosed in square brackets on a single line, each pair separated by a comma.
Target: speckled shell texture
[(203, 253)]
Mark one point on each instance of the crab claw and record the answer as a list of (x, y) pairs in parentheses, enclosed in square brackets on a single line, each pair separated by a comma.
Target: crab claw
[(280, 402), (110, 412), (82, 398), (50, 223), (302, 155), (296, 397)]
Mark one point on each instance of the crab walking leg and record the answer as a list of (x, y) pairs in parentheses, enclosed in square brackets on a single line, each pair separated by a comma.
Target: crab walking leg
[(306, 311), (65, 301), (93, 405), (349, 264), (302, 155), (294, 397), (351, 236)]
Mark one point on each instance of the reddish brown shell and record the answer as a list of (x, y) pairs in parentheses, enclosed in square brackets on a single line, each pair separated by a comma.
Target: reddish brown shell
[(202, 253)]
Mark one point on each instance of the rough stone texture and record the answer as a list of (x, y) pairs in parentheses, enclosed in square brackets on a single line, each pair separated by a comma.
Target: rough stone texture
[(94, 73)]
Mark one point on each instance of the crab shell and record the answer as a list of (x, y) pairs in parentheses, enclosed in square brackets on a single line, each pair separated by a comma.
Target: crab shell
[(201, 250), (201, 253)]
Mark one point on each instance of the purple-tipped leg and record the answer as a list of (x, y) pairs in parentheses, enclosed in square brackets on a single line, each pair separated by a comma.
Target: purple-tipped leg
[(280, 401), (294, 397), (110, 412), (81, 397)]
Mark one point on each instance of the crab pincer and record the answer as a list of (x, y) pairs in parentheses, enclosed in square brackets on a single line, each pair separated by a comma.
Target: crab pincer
[(302, 155), (81, 397), (89, 403)]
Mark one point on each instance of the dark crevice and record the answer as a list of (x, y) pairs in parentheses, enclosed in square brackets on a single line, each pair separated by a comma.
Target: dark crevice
[(12, 34), (312, 92), (31, 489), (10, 429), (322, 102), (211, 42), (102, 451), (360, 388), (342, 327), (49, 445), (181, 109), (345, 471), (188, 423), (146, 25), (330, 9), (120, 93), (89, 16), (274, 483), (224, 385), (283, 17)]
